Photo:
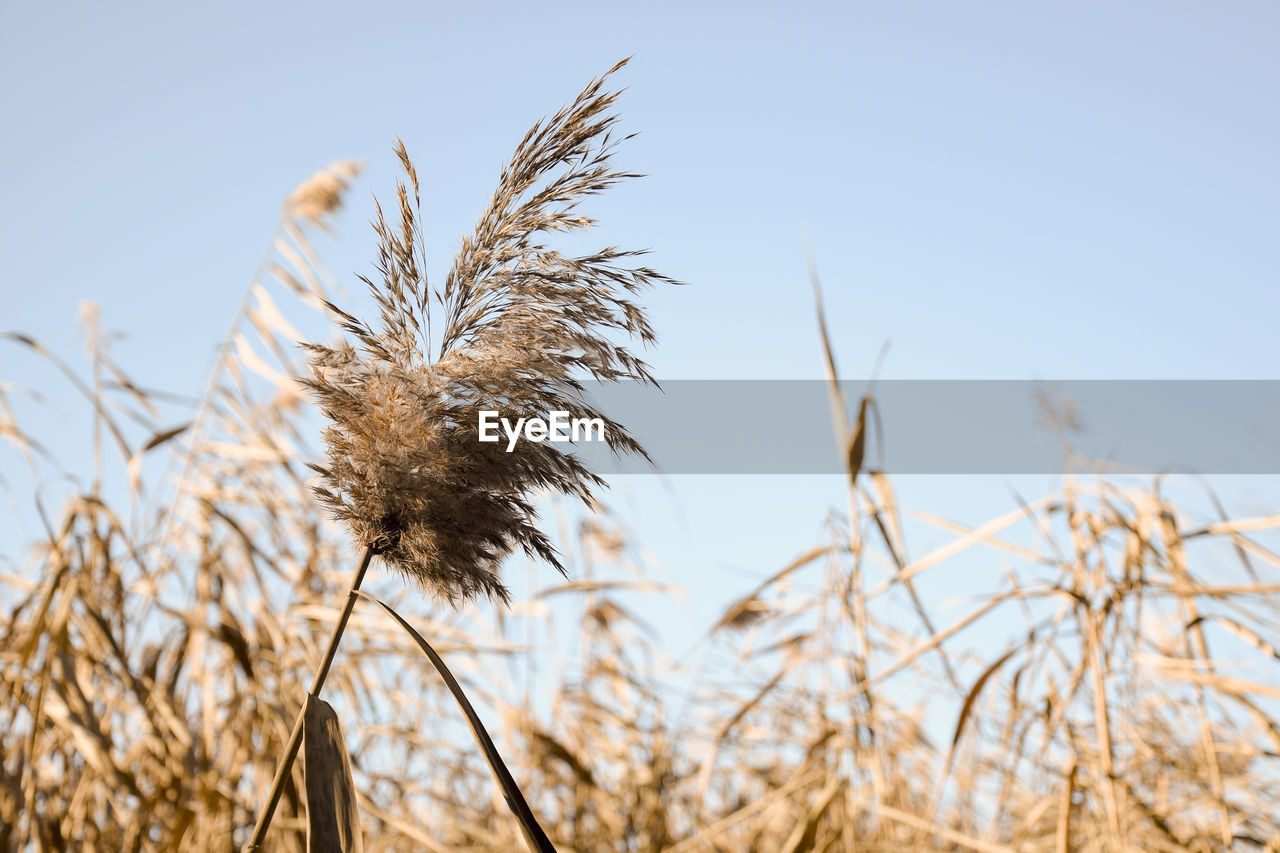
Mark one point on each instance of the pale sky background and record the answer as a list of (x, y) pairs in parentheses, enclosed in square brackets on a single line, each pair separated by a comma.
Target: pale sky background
[(1002, 189)]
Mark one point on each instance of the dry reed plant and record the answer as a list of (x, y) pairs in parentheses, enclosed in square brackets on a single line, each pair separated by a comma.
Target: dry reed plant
[(524, 327), (1111, 685)]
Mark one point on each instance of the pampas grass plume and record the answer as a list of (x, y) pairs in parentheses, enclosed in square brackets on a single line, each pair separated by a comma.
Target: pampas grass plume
[(523, 327)]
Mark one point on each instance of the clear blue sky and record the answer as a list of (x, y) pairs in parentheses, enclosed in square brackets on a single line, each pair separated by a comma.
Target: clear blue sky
[(1003, 189)]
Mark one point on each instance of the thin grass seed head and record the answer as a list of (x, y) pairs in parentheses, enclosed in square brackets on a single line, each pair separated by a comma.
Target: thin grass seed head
[(523, 327)]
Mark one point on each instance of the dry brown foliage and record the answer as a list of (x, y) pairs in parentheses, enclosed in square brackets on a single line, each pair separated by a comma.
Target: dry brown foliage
[(151, 661)]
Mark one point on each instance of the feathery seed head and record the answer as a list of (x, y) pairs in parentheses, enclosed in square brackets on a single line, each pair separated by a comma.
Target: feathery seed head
[(321, 194), (523, 325)]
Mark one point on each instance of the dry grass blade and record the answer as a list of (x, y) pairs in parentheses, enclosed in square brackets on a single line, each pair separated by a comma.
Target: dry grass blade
[(804, 837), (533, 834), (981, 534), (27, 445), (707, 835), (852, 444), (103, 414), (746, 610), (333, 820), (972, 697), (1062, 837), (959, 839)]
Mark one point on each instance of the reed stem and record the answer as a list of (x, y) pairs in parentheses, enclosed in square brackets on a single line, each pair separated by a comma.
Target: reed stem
[(295, 738)]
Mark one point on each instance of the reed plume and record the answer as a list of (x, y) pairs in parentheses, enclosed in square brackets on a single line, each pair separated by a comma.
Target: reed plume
[(523, 327)]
